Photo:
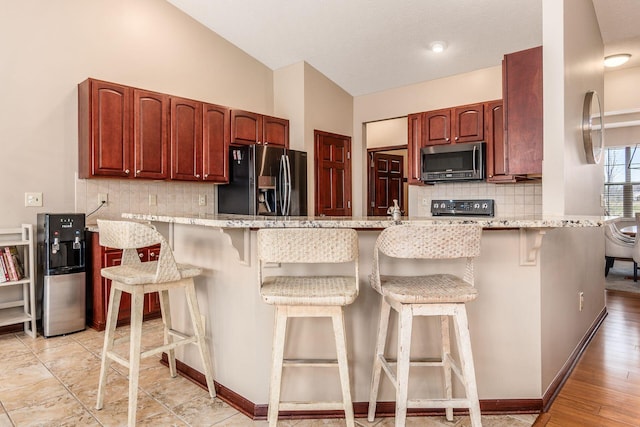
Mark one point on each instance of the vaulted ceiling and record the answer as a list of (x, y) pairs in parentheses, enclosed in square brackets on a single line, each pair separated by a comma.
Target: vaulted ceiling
[(367, 46)]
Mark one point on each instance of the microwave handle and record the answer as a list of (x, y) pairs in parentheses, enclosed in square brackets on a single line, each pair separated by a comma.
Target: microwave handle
[(475, 149)]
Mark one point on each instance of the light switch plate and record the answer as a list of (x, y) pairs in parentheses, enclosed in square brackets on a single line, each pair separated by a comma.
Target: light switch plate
[(33, 199), (202, 200)]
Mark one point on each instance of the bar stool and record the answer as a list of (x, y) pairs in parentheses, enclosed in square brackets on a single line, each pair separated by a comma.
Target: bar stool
[(308, 296), (138, 278), (442, 295)]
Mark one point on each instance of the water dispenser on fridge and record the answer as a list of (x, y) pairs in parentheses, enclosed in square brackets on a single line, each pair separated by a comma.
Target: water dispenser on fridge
[(61, 272)]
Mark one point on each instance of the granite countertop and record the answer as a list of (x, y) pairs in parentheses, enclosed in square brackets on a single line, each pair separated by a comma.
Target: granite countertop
[(371, 222)]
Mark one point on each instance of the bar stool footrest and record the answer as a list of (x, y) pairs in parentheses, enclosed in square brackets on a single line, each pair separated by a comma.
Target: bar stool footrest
[(318, 363)]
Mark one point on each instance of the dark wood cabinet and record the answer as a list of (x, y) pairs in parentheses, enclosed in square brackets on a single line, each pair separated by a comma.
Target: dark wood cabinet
[(523, 111), (249, 128), (186, 139), (436, 127), (104, 129), (216, 136), (199, 141), (150, 141), (468, 123), (125, 132), (496, 163), (100, 288)]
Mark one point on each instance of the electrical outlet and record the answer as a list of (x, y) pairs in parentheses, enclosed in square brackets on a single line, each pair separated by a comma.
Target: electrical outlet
[(103, 198), (32, 199), (202, 200), (153, 200), (581, 300)]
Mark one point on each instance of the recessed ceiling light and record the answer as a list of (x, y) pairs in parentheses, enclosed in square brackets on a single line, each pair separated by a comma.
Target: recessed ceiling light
[(438, 46), (616, 60)]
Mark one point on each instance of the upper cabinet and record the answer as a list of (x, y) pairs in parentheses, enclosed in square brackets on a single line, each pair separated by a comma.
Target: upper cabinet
[(523, 111), (125, 132), (249, 128), (104, 129)]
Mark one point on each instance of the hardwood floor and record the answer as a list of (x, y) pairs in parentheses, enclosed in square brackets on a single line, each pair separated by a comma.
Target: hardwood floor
[(604, 387)]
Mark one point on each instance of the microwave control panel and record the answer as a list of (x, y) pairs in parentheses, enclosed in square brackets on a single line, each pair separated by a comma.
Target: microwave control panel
[(483, 207)]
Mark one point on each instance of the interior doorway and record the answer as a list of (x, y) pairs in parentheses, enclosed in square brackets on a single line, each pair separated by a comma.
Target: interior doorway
[(386, 169)]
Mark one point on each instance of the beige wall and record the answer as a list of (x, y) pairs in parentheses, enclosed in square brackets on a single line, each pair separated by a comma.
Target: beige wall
[(622, 104), (49, 47), (571, 260)]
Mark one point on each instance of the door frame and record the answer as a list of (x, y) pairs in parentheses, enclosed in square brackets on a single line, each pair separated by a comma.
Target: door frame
[(370, 181)]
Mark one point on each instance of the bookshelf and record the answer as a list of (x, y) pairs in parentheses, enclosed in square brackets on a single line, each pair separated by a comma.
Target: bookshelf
[(18, 297)]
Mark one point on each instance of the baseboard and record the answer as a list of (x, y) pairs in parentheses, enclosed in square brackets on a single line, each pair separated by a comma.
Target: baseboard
[(383, 409), (562, 376)]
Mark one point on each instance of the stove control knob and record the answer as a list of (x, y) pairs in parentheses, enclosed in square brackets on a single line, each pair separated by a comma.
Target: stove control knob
[(476, 206), (442, 205)]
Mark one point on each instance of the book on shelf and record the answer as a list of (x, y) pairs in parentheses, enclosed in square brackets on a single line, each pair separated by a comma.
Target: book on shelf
[(13, 263), (4, 275)]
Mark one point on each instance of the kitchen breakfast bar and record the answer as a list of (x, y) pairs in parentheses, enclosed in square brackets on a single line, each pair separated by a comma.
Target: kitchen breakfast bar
[(540, 296)]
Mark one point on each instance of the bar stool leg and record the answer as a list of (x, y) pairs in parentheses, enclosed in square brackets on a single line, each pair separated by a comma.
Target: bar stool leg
[(446, 363), (109, 337), (337, 318), (279, 334), (165, 310), (466, 361), (192, 303), (137, 306), (404, 360), (383, 326)]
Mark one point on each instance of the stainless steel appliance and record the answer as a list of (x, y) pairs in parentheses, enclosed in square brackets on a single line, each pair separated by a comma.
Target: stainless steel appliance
[(265, 180), (61, 275), (453, 162), (482, 207)]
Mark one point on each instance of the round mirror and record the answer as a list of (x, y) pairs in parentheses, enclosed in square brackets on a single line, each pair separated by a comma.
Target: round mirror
[(592, 127)]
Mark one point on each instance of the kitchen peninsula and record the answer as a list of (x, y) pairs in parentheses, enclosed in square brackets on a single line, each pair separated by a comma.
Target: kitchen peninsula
[(527, 324)]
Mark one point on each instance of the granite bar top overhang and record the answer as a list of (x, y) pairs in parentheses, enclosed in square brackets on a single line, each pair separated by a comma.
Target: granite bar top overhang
[(371, 222)]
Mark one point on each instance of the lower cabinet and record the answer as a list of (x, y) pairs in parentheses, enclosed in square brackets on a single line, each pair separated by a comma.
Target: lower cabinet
[(99, 288)]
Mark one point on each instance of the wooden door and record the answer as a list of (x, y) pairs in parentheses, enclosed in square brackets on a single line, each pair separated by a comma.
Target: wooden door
[(436, 127), (386, 176), (413, 147), (468, 123), (275, 131), (216, 134), (246, 127), (332, 174), (105, 126), (186, 139), (150, 152)]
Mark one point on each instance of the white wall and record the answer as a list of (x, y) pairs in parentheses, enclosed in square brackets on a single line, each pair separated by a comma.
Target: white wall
[(622, 101), (50, 47)]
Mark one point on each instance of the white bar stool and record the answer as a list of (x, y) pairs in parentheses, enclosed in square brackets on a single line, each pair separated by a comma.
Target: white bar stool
[(138, 278), (442, 295), (308, 296)]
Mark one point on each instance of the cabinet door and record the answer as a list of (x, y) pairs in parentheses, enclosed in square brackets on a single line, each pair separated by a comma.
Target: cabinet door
[(522, 92), (112, 258), (246, 127), (413, 148), (436, 127), (468, 123), (150, 111), (186, 139), (275, 131), (215, 145), (105, 129), (496, 148)]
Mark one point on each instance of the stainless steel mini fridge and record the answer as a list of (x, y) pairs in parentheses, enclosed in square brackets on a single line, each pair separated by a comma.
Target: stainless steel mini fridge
[(265, 180), (61, 274)]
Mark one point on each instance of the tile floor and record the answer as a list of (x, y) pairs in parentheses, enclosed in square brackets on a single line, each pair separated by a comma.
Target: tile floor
[(53, 382)]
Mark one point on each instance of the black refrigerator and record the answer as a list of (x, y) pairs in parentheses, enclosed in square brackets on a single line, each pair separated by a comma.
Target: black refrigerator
[(265, 180)]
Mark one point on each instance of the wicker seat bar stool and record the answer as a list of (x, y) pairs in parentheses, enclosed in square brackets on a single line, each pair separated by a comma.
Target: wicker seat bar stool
[(139, 278), (442, 295), (308, 296)]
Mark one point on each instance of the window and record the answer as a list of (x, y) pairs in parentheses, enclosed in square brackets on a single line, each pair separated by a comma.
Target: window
[(622, 181)]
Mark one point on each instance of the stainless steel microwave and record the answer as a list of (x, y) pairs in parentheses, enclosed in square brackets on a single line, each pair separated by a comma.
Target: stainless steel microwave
[(453, 162)]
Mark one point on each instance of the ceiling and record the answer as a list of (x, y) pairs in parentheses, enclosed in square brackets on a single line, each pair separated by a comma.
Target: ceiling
[(367, 46)]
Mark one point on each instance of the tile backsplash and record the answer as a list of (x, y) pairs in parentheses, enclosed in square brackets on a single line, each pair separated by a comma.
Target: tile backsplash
[(128, 195), (519, 200)]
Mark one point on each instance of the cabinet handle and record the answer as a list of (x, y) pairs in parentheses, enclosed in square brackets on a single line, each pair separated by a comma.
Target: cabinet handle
[(140, 255), (447, 139), (138, 172), (126, 171), (456, 138), (197, 175), (206, 175), (152, 255)]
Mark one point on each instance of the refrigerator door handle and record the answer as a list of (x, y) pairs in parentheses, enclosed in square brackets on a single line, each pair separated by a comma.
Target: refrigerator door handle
[(288, 185), (281, 185)]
